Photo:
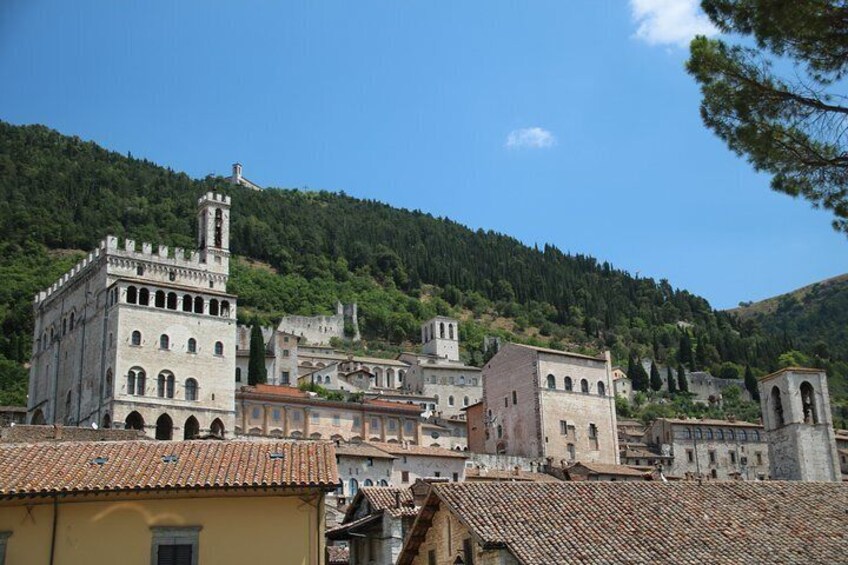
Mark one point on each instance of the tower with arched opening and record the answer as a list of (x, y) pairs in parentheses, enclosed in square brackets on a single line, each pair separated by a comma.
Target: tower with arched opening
[(799, 428), (440, 337)]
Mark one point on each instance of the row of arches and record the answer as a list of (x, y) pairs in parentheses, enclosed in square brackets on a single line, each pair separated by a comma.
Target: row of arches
[(809, 410), (429, 332), (568, 385), (165, 384), (172, 301), (165, 426), (452, 401)]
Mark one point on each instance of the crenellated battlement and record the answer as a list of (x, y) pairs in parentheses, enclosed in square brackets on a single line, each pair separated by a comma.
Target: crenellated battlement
[(214, 197)]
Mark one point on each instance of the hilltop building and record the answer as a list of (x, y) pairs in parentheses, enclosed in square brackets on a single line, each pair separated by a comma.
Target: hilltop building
[(238, 179), (550, 404), (319, 330), (141, 339), (796, 413), (281, 356)]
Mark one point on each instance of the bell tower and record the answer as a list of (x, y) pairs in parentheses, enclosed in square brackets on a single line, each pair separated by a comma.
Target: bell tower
[(798, 424), (213, 231), (440, 337)]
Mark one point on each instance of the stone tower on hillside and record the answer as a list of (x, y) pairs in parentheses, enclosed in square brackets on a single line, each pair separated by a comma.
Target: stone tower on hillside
[(796, 415), (440, 337)]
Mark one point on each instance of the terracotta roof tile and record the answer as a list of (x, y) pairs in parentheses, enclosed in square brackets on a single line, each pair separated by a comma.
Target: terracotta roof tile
[(47, 468), (649, 522), (479, 475), (412, 449), (606, 469), (362, 450), (386, 498)]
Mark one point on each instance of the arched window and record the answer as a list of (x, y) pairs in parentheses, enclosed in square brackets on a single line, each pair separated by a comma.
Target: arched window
[(743, 435), (353, 487), (187, 303), (808, 403), (327, 379), (698, 433), (567, 383), (219, 228), (164, 342), (708, 433), (514, 398), (134, 421), (384, 483), (584, 386), (191, 428), (450, 331), (720, 434), (132, 295), (777, 406), (436, 397), (191, 389), (450, 400), (442, 330), (135, 381), (109, 383), (551, 382), (164, 427), (198, 305), (465, 401), (107, 421), (136, 338), (192, 345), (238, 374), (368, 483), (602, 390), (219, 348), (144, 297), (225, 308), (172, 301), (160, 299), (160, 385), (217, 428), (169, 386), (500, 431), (755, 435), (73, 319), (213, 307)]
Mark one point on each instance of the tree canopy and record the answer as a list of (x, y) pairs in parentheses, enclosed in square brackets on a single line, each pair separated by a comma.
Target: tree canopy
[(778, 97)]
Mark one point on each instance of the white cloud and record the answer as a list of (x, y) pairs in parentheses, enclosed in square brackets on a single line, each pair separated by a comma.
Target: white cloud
[(670, 22), (534, 138)]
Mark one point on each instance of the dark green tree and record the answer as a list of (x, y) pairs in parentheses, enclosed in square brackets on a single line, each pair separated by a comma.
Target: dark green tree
[(656, 380), (751, 384), (256, 373), (672, 382), (639, 377), (682, 383), (684, 351), (792, 126)]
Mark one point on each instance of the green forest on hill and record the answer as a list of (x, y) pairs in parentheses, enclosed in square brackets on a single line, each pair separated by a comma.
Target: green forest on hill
[(300, 251)]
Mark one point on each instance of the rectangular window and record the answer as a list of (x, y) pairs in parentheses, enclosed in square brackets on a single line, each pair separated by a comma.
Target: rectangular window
[(506, 401), (690, 456), (276, 414), (356, 422), (431, 557), (759, 456), (315, 417), (437, 474), (563, 427), (408, 426), (733, 458), (392, 425), (375, 424), (404, 476), (255, 413), (285, 352), (467, 551), (337, 420), (296, 416), (173, 545), (514, 398), (284, 378), (712, 458), (4, 536), (593, 431), (456, 477)]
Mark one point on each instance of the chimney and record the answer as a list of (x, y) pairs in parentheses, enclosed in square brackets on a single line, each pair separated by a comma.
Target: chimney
[(397, 499)]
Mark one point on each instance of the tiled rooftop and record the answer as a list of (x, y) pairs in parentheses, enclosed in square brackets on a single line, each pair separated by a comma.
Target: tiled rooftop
[(80, 467), (649, 522), (412, 449), (387, 498), (362, 450), (606, 469), (475, 474)]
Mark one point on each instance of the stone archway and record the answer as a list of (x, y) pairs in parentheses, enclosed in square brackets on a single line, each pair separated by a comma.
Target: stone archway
[(164, 428), (191, 429), (134, 421)]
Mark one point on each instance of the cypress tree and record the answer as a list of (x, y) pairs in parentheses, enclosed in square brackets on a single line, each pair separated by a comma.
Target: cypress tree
[(256, 373), (751, 384), (631, 370), (672, 383), (684, 353), (682, 384), (656, 380)]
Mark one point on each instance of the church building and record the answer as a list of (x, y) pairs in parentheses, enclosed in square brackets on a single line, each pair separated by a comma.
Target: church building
[(141, 339)]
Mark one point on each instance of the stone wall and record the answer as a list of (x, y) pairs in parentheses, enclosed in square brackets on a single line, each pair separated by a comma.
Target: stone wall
[(32, 434)]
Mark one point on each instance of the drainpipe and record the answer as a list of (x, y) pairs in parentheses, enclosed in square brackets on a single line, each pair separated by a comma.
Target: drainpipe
[(82, 354), (53, 533)]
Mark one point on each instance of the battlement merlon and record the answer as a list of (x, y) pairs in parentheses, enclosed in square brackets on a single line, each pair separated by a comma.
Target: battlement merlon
[(110, 248), (220, 199)]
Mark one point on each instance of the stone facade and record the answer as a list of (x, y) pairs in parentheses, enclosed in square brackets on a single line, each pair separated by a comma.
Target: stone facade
[(279, 411), (413, 462), (550, 404), (710, 449), (141, 339), (796, 413), (281, 355), (319, 330), (440, 338)]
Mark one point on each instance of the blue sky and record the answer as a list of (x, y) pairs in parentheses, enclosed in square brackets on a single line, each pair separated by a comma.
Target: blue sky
[(565, 122)]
